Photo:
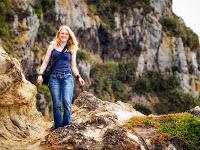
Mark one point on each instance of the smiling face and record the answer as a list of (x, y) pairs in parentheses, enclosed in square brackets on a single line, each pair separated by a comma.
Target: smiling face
[(63, 35)]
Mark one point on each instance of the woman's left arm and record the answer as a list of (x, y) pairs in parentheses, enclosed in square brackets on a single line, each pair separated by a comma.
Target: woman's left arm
[(75, 69)]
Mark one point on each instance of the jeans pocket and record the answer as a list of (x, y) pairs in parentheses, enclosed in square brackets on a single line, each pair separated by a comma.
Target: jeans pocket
[(52, 76), (68, 75)]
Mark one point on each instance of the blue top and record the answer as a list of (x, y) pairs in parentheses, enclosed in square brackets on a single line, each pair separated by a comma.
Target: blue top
[(64, 62)]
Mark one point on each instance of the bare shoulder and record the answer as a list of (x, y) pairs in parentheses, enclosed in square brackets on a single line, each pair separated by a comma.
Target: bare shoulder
[(73, 53), (51, 47)]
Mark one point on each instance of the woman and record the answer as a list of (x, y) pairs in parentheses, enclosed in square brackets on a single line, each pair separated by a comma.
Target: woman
[(61, 82)]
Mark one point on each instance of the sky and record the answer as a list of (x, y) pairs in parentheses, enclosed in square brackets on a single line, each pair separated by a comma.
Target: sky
[(189, 10)]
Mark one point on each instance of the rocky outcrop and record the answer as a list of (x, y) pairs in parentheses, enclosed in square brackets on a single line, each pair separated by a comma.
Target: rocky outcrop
[(195, 111), (136, 34), (162, 8), (21, 124), (100, 124), (25, 29)]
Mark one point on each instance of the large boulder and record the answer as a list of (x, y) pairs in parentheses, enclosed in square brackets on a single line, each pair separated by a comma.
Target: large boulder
[(20, 122)]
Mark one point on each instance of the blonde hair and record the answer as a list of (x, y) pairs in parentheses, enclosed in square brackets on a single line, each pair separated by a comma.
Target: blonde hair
[(73, 43)]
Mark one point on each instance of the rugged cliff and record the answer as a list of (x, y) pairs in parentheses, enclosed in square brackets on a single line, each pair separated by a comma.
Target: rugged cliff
[(141, 36), (96, 124), (21, 124)]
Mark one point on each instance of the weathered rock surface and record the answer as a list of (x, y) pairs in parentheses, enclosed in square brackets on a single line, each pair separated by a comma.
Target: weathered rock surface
[(101, 125), (137, 35), (21, 124), (195, 111)]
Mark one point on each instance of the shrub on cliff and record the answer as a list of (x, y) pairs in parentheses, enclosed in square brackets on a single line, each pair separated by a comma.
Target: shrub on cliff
[(82, 54), (106, 8), (103, 75), (174, 26), (175, 100), (113, 78), (154, 82)]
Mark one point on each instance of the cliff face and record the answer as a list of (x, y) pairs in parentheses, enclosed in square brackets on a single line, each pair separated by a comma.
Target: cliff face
[(115, 31), (131, 32), (20, 122), (96, 124), (19, 35), (136, 34)]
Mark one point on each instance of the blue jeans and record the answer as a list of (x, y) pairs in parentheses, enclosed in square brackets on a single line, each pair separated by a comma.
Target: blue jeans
[(61, 87)]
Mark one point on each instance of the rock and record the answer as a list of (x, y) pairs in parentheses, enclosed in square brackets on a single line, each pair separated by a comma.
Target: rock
[(96, 126), (94, 122), (181, 60), (162, 8), (117, 139), (84, 69), (17, 107), (195, 111), (165, 54), (69, 138)]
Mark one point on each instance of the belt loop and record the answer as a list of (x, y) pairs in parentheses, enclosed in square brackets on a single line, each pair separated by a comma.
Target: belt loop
[(60, 73)]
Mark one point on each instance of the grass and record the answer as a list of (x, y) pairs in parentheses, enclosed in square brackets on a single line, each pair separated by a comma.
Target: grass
[(183, 125)]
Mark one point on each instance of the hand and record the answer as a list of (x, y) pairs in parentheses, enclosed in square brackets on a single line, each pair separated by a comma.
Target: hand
[(39, 80), (82, 82)]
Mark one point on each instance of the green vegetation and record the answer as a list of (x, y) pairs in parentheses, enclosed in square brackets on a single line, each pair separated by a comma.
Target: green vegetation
[(154, 82), (7, 11), (148, 123), (184, 125), (6, 18), (46, 13), (127, 71), (174, 26), (43, 89), (142, 109), (38, 10), (46, 31), (103, 76), (175, 100), (113, 78), (172, 98), (82, 54), (119, 82), (142, 85), (48, 9), (106, 8)]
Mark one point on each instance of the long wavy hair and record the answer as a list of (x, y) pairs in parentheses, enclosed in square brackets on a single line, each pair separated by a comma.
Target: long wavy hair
[(72, 41)]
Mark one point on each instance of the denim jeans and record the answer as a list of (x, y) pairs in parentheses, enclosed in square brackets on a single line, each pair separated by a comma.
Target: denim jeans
[(61, 87)]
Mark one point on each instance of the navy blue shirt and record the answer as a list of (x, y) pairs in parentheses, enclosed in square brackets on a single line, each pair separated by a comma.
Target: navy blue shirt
[(64, 62)]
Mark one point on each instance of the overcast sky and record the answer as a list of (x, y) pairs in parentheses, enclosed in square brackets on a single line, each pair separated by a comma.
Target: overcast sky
[(189, 10)]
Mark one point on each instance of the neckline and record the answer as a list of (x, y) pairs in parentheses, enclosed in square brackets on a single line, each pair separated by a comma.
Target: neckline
[(61, 51)]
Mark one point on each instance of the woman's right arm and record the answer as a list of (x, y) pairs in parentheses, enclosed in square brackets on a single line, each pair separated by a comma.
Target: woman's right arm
[(44, 64)]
